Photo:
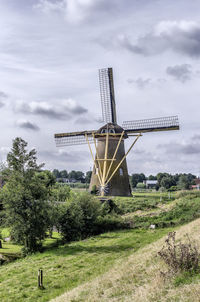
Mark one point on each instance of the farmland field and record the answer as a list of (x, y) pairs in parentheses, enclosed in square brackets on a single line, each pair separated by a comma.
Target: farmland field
[(70, 266)]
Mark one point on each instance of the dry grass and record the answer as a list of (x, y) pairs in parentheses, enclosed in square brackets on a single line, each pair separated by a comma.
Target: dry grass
[(138, 278)]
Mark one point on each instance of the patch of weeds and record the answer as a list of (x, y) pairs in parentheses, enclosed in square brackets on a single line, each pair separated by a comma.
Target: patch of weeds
[(182, 259)]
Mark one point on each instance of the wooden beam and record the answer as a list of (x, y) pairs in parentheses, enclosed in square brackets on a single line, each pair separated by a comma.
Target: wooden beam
[(113, 158), (122, 159), (100, 181)]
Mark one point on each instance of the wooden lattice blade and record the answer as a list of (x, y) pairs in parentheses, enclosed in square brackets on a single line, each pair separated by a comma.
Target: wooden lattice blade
[(74, 138), (150, 125), (107, 95)]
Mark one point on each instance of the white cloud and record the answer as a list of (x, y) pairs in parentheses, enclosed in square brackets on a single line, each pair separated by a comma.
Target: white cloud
[(74, 10), (178, 36)]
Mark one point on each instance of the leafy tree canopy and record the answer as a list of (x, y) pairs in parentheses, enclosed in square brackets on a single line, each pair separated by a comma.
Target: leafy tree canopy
[(24, 196)]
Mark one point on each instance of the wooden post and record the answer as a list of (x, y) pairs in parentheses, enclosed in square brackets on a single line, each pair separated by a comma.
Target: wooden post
[(40, 279)]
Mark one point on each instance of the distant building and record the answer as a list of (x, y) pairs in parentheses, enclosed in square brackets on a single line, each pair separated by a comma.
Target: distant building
[(150, 184), (197, 184)]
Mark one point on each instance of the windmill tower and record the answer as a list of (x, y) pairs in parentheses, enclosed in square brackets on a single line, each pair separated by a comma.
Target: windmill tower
[(110, 173)]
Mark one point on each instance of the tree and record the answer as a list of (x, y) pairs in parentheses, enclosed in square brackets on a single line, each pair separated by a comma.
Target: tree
[(60, 192), (88, 176), (77, 175), (152, 177), (56, 173), (63, 174), (167, 182), (24, 196), (136, 178), (184, 182)]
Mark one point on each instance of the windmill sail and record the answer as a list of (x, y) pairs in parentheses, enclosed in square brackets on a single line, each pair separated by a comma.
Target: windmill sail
[(150, 125), (74, 138), (107, 95)]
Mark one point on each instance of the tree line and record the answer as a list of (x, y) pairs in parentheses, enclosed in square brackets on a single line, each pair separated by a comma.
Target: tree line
[(73, 175), (181, 181)]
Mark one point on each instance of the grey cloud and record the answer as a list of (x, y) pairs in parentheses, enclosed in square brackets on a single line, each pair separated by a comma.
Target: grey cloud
[(181, 73), (178, 148), (62, 110), (27, 125), (140, 82), (181, 37)]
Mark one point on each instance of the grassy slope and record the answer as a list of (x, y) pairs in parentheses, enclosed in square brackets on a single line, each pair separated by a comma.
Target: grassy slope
[(69, 266), (137, 278)]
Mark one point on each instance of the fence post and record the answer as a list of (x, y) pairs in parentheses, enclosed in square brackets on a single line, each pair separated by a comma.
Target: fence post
[(40, 279)]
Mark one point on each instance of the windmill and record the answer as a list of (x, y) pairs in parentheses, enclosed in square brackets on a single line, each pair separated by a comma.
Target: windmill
[(110, 173)]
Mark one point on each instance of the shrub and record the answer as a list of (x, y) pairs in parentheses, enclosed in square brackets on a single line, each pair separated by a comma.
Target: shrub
[(71, 222), (179, 257), (110, 223), (84, 216), (91, 209), (60, 192), (94, 190), (109, 206)]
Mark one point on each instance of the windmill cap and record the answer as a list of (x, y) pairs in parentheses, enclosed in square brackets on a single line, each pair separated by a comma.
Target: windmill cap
[(111, 128)]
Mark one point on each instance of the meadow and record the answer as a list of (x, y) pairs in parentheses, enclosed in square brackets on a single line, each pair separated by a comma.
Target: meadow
[(109, 266)]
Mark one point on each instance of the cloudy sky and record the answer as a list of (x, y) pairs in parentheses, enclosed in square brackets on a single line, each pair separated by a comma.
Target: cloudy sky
[(50, 53)]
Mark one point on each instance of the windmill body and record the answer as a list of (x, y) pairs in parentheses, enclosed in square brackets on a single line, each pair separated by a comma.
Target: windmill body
[(119, 183), (110, 173)]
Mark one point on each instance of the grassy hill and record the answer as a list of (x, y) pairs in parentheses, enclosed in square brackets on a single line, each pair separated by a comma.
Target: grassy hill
[(137, 278), (116, 266)]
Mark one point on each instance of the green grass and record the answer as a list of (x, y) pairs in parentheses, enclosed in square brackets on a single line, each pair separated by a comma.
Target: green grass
[(7, 246), (70, 265), (142, 201), (186, 278), (12, 248)]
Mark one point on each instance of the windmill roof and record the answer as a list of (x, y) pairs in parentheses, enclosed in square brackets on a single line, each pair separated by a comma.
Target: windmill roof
[(110, 126)]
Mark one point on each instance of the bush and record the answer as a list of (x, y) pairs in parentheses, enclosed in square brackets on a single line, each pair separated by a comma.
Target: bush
[(91, 209), (109, 206), (110, 223), (84, 216), (140, 185), (60, 192), (94, 190), (179, 257), (71, 222)]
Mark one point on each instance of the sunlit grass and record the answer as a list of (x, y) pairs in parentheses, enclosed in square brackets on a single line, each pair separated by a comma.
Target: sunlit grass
[(70, 265)]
